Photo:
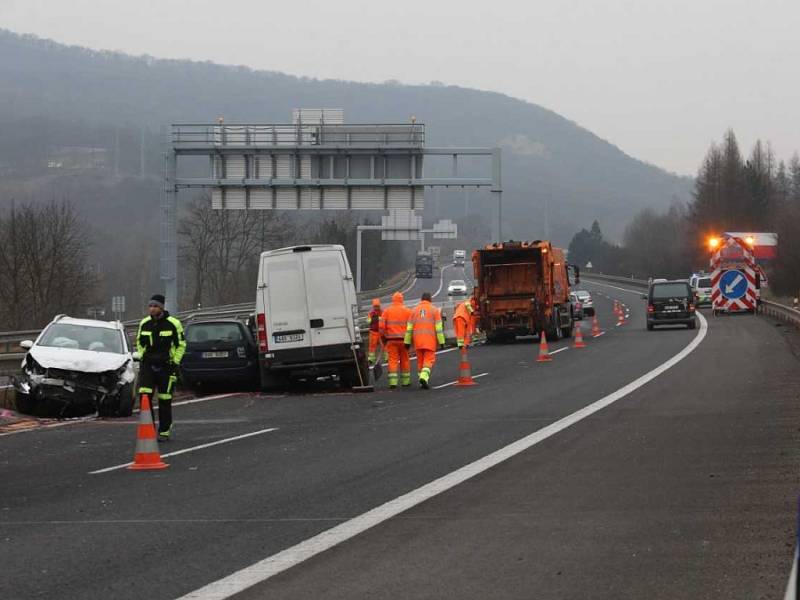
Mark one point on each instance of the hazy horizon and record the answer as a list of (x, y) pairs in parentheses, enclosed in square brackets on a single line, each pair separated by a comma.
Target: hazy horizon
[(664, 82)]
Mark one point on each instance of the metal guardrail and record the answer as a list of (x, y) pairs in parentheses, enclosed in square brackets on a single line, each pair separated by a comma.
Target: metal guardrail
[(781, 312), (11, 354)]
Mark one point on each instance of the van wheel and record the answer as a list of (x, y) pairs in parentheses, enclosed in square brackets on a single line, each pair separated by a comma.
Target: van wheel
[(649, 327), (692, 325), (270, 382)]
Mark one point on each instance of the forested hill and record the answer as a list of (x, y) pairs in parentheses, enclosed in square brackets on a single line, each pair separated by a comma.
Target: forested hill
[(54, 95)]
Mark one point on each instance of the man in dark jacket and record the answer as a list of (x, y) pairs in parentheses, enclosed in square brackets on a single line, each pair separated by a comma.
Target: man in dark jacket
[(161, 345)]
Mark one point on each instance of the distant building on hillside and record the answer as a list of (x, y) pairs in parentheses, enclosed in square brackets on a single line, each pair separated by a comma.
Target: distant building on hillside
[(78, 157)]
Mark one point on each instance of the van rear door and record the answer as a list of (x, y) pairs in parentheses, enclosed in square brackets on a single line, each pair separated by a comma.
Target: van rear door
[(285, 302), (329, 311)]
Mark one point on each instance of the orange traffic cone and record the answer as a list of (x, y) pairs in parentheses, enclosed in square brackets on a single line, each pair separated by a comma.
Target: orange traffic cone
[(147, 456), (596, 327), (544, 351), (578, 337), (464, 370), (621, 317), (616, 307)]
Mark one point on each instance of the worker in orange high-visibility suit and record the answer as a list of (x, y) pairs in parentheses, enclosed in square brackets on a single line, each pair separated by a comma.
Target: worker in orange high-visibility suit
[(374, 318), (426, 331), (393, 331), (463, 323)]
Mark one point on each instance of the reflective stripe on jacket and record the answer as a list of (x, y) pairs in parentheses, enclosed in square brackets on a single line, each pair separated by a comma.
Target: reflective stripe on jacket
[(425, 327)]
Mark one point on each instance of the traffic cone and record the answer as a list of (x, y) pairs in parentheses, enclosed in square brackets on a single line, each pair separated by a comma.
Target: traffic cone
[(621, 318), (464, 370), (616, 307), (596, 331), (544, 351), (147, 456), (578, 343)]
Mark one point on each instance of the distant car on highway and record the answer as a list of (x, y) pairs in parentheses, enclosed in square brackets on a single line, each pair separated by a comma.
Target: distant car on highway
[(701, 286), (670, 303), (587, 301), (577, 307), (457, 287), (217, 351), (76, 367)]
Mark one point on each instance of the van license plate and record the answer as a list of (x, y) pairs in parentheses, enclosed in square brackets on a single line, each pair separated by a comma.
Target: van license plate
[(215, 355), (670, 309), (292, 337)]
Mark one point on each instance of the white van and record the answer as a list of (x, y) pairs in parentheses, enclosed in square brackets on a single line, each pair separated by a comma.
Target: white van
[(306, 312)]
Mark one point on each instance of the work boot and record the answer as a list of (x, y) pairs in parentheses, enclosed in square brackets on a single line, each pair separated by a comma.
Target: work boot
[(423, 383), (392, 387), (163, 436)]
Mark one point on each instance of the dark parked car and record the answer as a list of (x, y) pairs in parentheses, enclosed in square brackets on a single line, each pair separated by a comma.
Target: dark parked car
[(219, 351), (670, 303)]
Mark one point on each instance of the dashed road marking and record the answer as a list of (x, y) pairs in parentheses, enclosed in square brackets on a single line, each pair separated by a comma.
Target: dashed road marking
[(449, 383), (191, 449)]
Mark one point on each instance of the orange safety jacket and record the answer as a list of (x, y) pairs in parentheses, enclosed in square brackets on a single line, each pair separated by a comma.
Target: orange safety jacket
[(394, 320), (425, 327)]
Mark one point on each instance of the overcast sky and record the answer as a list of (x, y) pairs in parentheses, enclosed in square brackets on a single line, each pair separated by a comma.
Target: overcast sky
[(659, 78)]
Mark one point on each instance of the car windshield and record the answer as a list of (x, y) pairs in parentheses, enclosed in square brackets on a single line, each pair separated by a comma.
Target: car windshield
[(583, 295), (669, 290), (213, 332), (82, 337), (457, 283), (704, 283)]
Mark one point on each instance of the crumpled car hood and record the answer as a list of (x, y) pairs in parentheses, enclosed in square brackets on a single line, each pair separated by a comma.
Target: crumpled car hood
[(84, 361)]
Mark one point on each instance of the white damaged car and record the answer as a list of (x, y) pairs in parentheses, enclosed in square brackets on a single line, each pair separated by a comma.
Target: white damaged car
[(76, 367)]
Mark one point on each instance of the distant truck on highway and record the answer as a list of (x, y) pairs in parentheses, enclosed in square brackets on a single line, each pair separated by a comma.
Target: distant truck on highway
[(459, 257), (424, 265), (522, 288)]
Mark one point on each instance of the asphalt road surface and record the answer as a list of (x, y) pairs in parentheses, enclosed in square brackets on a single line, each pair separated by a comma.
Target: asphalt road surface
[(684, 487)]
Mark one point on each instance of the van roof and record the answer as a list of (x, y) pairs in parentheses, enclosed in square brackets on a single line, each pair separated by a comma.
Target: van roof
[(313, 247)]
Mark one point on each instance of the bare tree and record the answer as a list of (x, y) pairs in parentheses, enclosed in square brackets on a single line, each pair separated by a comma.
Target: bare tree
[(44, 263), (221, 248)]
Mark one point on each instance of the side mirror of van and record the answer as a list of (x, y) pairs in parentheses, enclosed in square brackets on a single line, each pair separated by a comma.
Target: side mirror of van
[(26, 344), (644, 296), (136, 357)]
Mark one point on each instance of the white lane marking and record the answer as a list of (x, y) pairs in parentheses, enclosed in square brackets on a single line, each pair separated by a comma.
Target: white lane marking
[(559, 350), (791, 587), (441, 280), (449, 383), (192, 449), (277, 563), (205, 399), (599, 334), (411, 285)]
